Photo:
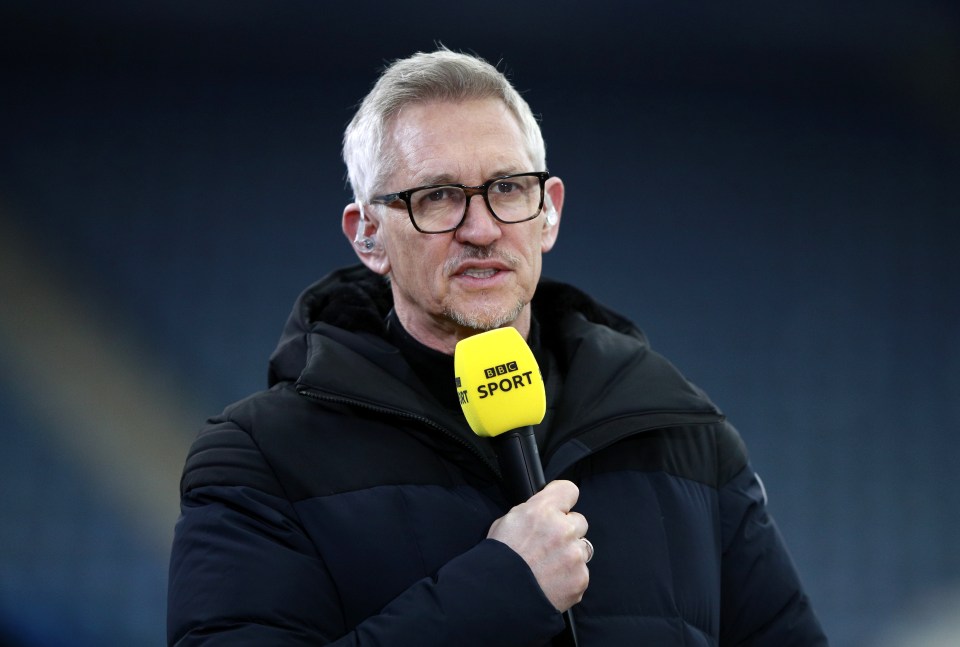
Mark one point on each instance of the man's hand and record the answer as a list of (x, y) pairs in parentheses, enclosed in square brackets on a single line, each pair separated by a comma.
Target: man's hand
[(547, 536)]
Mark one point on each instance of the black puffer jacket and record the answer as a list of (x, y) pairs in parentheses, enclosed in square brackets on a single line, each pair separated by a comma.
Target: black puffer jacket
[(346, 505)]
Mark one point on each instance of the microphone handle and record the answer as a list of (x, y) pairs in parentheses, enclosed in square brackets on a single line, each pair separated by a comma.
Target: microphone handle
[(523, 477), (520, 465)]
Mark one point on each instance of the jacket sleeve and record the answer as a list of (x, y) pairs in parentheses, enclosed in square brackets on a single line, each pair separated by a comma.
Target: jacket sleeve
[(244, 572), (763, 601)]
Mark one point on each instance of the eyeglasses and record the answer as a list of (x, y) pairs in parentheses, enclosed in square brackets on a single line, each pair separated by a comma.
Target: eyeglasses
[(439, 208)]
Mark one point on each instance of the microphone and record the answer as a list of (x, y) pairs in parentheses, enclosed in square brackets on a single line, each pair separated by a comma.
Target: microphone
[(502, 394)]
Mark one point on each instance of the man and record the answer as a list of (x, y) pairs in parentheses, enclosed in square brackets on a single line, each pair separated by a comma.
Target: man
[(351, 504)]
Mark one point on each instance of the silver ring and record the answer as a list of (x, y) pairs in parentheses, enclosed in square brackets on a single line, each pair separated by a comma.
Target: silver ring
[(589, 549)]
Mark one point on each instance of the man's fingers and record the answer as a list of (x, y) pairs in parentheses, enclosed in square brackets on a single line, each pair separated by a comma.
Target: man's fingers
[(578, 524), (562, 494)]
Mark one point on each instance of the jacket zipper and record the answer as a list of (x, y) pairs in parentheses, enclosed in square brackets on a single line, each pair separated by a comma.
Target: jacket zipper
[(679, 419), (326, 397)]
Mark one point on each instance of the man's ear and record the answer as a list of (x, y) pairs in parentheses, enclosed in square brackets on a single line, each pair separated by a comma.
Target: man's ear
[(553, 207), (363, 232)]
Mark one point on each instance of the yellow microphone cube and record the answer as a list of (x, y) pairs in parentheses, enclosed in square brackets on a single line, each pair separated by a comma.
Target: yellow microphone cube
[(499, 382)]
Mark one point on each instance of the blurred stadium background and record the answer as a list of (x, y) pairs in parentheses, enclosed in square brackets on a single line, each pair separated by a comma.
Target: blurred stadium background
[(770, 190)]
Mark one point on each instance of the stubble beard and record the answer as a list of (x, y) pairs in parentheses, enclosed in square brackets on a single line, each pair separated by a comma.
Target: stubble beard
[(485, 316), (488, 317)]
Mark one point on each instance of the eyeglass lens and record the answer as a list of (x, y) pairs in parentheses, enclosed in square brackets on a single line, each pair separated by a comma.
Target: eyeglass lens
[(513, 199)]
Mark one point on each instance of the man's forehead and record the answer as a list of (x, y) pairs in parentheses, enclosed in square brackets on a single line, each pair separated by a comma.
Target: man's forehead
[(441, 142)]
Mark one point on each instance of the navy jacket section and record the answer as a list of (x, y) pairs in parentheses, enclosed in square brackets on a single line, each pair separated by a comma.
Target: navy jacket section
[(346, 506)]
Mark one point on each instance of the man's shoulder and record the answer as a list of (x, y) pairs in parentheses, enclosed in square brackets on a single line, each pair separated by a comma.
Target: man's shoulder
[(227, 449), (291, 444)]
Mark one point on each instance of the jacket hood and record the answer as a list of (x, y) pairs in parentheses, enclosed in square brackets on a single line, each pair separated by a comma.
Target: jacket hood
[(352, 298), (583, 334)]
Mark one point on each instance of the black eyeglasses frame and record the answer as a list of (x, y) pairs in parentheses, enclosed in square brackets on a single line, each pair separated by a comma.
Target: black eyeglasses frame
[(400, 198)]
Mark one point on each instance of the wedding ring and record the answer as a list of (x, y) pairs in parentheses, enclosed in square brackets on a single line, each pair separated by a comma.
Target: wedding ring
[(589, 549)]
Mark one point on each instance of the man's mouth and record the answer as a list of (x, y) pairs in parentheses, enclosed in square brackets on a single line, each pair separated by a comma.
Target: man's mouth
[(480, 273)]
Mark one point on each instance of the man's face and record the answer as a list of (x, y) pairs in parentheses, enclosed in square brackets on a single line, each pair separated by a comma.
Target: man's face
[(483, 275)]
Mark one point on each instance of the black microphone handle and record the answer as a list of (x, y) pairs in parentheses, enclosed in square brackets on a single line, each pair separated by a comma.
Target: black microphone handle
[(520, 465), (523, 477)]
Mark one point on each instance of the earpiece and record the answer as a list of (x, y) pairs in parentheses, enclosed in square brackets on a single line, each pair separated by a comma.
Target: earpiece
[(363, 243), (551, 216), (550, 212)]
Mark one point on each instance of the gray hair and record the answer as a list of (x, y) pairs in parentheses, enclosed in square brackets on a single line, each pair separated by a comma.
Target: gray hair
[(442, 75)]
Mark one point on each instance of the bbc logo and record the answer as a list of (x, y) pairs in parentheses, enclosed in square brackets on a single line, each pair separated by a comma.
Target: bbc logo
[(500, 369)]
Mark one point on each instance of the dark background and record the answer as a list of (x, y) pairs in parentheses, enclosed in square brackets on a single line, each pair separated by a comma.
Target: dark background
[(768, 189)]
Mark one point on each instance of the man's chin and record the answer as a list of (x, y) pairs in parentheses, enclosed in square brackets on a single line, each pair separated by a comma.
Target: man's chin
[(485, 318)]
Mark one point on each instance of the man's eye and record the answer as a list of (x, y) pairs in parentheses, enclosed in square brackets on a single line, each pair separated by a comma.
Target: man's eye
[(505, 187), (438, 195)]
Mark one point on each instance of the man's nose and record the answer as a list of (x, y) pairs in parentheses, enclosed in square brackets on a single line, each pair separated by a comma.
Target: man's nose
[(479, 226)]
